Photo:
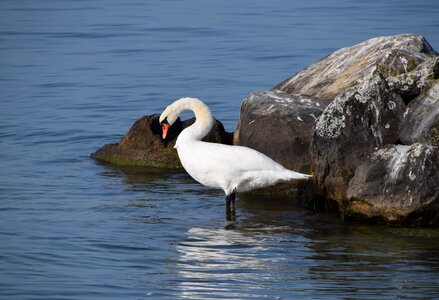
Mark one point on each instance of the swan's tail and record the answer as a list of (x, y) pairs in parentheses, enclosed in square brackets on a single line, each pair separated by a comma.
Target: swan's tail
[(296, 175), (251, 180)]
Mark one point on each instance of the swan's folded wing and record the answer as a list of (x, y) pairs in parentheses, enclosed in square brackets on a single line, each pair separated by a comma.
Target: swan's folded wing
[(238, 158)]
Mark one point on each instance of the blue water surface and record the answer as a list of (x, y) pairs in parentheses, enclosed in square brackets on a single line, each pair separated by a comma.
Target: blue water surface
[(75, 75)]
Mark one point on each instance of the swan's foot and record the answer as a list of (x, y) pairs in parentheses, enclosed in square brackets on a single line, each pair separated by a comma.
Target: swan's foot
[(230, 202)]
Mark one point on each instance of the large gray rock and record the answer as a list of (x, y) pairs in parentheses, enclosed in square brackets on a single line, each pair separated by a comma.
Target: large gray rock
[(359, 120), (366, 88), (143, 146), (421, 119), (389, 56), (397, 184), (279, 125)]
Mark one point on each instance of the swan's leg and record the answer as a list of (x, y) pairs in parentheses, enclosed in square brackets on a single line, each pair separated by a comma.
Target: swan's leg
[(230, 202)]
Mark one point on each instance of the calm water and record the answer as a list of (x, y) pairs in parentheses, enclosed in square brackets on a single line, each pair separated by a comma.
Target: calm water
[(75, 75)]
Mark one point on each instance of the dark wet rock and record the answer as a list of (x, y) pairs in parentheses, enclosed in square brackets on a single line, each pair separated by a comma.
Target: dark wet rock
[(389, 56), (421, 119), (143, 146), (397, 184), (365, 117), (280, 126)]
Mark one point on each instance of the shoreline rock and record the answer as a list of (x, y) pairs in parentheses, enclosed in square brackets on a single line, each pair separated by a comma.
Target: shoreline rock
[(381, 93)]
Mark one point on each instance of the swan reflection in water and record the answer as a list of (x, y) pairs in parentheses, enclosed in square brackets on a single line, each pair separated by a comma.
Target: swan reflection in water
[(217, 262), (274, 249), (249, 261)]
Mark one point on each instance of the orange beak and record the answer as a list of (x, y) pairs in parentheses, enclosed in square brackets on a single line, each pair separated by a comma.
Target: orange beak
[(165, 128)]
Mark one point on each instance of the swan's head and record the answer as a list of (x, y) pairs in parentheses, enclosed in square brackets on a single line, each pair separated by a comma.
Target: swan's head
[(172, 112), (167, 118)]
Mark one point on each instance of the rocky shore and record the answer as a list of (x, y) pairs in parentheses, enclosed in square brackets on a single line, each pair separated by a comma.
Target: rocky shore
[(364, 120)]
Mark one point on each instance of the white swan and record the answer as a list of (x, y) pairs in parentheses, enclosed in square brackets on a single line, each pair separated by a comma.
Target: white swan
[(231, 168)]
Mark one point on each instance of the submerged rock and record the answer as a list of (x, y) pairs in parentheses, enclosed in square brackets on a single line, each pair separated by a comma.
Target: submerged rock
[(359, 120), (389, 56), (397, 184), (421, 119), (143, 146)]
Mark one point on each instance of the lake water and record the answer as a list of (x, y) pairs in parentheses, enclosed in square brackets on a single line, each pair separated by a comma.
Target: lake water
[(75, 75)]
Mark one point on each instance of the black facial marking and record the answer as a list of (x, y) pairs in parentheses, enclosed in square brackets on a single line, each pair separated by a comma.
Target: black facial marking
[(165, 121)]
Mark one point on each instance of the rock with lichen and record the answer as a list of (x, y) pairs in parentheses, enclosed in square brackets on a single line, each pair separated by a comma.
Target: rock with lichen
[(143, 146), (421, 119), (390, 56), (412, 83), (398, 185), (364, 117)]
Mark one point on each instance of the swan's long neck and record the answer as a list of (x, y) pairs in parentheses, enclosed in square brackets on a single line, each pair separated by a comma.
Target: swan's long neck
[(203, 119)]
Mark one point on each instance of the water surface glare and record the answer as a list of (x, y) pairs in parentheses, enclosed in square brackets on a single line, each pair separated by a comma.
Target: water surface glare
[(75, 75)]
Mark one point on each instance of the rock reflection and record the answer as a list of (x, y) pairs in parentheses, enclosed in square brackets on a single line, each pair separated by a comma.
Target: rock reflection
[(138, 177), (373, 261)]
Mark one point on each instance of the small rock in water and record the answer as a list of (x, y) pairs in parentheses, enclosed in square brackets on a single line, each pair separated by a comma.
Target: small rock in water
[(142, 145)]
